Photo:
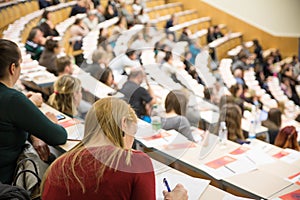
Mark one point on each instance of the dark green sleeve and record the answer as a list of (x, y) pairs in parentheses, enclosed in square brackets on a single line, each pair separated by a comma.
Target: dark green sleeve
[(26, 116)]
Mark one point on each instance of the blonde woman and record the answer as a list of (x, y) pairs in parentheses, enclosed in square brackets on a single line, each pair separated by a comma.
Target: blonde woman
[(103, 165), (67, 95)]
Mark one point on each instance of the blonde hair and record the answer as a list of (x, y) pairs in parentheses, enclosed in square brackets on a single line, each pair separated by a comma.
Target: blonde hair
[(105, 119), (63, 97)]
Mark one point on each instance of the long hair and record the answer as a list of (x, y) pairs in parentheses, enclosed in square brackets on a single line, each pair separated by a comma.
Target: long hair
[(104, 120), (274, 115), (232, 115), (287, 138), (63, 97), (176, 100)]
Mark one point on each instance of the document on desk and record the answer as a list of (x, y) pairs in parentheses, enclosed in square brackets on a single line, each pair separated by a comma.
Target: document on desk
[(258, 157), (160, 138), (194, 186), (295, 178), (75, 132), (295, 195), (287, 155), (228, 166)]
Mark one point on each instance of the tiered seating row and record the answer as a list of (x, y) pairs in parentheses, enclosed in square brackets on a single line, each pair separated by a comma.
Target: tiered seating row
[(162, 10), (150, 4), (222, 45), (182, 16), (12, 12)]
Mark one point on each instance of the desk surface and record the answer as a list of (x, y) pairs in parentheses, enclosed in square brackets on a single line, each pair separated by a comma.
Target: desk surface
[(259, 183), (210, 192)]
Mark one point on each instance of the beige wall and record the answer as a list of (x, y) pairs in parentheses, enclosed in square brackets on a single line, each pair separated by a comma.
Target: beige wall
[(287, 45), (277, 17)]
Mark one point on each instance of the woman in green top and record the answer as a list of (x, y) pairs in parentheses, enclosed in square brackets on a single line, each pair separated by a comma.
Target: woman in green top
[(18, 115)]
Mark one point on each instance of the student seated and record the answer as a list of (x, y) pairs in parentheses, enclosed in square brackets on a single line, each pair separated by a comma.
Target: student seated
[(49, 55), (273, 123), (64, 66), (175, 105), (46, 26), (67, 95), (232, 115), (287, 138), (19, 116), (35, 42), (103, 165), (137, 96), (107, 78)]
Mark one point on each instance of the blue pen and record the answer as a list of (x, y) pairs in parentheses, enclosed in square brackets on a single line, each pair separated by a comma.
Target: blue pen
[(167, 184)]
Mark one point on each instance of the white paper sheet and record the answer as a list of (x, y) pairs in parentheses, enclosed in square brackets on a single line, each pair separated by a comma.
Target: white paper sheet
[(75, 132), (194, 186)]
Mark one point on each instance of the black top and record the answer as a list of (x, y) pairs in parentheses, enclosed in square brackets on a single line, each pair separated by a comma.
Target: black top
[(46, 29), (18, 117), (136, 96)]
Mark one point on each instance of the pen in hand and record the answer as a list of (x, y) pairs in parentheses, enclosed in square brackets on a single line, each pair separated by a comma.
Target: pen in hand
[(167, 184)]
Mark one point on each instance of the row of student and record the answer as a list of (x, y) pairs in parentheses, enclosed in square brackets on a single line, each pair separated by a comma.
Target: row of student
[(105, 150), (288, 73), (169, 66)]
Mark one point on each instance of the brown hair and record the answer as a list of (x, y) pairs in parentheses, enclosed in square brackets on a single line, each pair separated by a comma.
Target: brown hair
[(274, 115), (62, 63), (176, 100), (287, 138), (232, 115), (9, 54), (225, 99)]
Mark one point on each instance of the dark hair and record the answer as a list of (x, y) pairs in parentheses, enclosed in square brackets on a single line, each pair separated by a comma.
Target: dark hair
[(226, 99), (274, 115), (9, 54), (32, 33), (176, 100), (232, 115), (130, 52), (45, 14), (234, 89), (168, 56), (61, 63), (287, 138), (255, 42), (51, 44), (105, 75), (77, 21)]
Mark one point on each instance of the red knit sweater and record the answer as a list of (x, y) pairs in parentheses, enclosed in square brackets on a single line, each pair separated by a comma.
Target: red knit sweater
[(135, 181)]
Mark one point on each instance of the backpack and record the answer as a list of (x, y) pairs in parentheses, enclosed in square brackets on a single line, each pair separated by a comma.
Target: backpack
[(8, 192)]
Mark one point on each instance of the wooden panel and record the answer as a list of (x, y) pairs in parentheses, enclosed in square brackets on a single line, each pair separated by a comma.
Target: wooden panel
[(287, 45)]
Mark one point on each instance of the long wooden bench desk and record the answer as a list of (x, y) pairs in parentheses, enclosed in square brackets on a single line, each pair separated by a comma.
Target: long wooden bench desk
[(242, 172)]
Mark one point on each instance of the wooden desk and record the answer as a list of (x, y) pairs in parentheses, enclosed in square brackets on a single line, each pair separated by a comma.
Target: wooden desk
[(210, 192), (258, 183), (76, 129)]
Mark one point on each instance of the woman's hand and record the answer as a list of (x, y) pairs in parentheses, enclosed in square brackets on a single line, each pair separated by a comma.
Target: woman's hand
[(36, 98), (51, 117), (41, 147), (178, 193)]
